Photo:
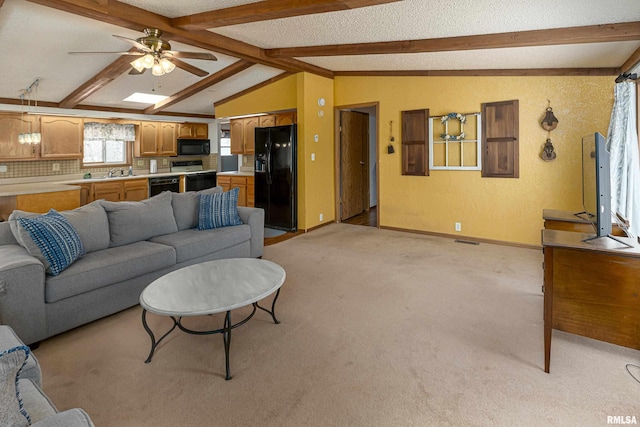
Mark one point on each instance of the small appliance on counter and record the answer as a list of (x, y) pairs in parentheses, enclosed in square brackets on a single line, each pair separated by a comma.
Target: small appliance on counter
[(153, 166), (196, 178)]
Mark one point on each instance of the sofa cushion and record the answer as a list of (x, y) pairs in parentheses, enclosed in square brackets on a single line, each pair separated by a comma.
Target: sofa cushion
[(35, 401), (90, 221), (134, 221), (52, 239), (218, 210), (193, 243), (109, 266), (31, 370), (11, 363), (186, 207)]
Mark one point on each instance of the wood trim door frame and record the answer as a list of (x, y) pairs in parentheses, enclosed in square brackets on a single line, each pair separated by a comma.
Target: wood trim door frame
[(336, 138)]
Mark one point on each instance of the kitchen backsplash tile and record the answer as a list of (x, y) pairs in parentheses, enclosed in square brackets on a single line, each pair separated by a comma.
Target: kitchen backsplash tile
[(71, 167)]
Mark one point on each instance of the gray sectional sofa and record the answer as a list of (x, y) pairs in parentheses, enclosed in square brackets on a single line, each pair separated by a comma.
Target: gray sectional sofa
[(127, 245)]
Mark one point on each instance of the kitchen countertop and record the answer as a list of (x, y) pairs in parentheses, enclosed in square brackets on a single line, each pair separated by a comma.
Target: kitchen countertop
[(46, 185), (236, 173)]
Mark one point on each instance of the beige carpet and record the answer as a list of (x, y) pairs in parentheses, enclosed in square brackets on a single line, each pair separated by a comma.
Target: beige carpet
[(379, 328)]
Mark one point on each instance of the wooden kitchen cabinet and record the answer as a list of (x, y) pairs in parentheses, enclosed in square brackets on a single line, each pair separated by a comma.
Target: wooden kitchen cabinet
[(250, 192), (11, 125), (283, 119), (86, 194), (156, 139), (135, 190), (267, 121), (244, 183), (62, 137), (43, 202), (167, 143), (120, 190), (193, 130), (243, 135)]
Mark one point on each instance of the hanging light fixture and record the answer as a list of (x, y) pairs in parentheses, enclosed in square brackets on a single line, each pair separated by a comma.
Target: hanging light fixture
[(29, 137), (159, 66)]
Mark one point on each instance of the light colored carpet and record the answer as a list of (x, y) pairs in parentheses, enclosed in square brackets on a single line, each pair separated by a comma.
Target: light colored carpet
[(379, 328)]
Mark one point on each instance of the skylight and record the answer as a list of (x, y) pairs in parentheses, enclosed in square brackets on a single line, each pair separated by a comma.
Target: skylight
[(145, 98)]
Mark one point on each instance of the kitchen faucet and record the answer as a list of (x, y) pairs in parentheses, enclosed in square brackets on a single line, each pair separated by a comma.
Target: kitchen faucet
[(114, 170)]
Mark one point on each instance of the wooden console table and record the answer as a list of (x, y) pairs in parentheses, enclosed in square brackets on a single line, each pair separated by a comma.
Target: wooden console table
[(591, 288)]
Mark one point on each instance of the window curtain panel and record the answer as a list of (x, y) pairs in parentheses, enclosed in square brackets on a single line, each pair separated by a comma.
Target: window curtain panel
[(109, 131), (622, 144)]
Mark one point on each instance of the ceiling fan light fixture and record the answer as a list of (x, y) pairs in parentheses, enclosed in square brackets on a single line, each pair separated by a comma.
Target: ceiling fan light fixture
[(157, 70), (148, 60), (138, 65), (167, 65)]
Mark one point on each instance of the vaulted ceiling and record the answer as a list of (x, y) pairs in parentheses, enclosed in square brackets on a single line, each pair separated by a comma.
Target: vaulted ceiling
[(257, 42)]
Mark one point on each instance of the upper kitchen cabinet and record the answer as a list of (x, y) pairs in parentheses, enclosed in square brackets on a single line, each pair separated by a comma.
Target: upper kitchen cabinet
[(62, 137), (193, 130), (267, 121), (167, 143), (156, 139), (11, 125), (283, 119), (242, 135)]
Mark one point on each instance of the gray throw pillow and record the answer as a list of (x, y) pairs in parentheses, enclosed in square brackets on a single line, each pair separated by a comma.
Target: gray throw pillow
[(90, 221), (11, 363), (187, 205), (136, 221)]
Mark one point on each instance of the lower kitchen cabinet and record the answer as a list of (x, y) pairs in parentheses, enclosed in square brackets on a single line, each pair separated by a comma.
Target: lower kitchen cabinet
[(244, 183), (130, 190)]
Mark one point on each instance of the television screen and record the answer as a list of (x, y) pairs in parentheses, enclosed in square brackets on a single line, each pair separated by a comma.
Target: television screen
[(596, 189)]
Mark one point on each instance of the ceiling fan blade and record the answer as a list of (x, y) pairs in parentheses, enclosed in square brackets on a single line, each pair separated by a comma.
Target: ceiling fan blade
[(135, 72), (188, 67), (136, 43), (104, 53), (191, 55)]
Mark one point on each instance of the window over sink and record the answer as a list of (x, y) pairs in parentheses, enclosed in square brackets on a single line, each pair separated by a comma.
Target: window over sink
[(106, 144)]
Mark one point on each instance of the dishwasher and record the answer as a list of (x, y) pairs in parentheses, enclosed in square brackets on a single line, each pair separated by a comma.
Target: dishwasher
[(163, 183)]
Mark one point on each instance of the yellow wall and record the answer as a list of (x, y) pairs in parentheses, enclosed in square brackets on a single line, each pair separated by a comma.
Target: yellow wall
[(277, 96), (490, 208)]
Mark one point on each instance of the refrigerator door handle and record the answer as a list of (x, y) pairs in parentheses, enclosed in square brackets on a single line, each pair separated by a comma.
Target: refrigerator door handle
[(269, 162)]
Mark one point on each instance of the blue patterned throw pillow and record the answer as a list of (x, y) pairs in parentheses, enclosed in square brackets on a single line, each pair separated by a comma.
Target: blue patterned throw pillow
[(218, 210), (56, 238)]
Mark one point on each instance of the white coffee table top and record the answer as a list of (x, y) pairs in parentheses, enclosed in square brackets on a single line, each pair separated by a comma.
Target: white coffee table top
[(212, 287)]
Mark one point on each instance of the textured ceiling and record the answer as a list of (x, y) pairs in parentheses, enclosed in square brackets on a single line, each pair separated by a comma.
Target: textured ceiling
[(36, 41)]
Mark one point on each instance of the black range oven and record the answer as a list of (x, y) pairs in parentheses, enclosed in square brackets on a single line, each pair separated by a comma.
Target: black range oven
[(197, 181)]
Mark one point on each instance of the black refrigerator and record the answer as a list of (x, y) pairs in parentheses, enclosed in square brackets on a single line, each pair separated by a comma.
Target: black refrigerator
[(276, 176)]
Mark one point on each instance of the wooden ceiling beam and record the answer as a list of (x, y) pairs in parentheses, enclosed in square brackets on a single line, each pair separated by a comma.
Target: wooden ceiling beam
[(267, 10), (134, 18), (631, 62), (213, 79), (97, 82), (625, 31)]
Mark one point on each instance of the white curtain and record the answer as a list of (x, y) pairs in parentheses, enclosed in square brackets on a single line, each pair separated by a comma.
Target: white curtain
[(622, 143)]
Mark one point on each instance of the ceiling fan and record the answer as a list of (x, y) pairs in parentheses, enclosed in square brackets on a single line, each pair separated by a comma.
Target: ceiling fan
[(156, 54)]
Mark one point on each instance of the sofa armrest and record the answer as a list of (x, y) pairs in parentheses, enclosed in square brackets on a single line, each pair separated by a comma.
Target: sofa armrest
[(71, 418), (255, 218), (22, 296)]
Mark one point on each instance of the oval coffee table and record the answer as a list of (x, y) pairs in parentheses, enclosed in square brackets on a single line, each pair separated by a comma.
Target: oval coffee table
[(208, 288)]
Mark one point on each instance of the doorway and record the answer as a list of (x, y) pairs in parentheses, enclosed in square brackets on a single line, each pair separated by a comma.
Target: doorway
[(357, 164)]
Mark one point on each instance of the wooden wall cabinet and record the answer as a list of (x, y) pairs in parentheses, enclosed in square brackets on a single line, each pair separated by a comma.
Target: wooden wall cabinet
[(267, 121), (62, 137), (156, 139), (415, 142), (500, 148), (243, 135), (11, 125), (283, 119), (193, 130)]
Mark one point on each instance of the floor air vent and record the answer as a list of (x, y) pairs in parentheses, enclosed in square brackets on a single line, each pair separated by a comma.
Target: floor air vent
[(467, 242)]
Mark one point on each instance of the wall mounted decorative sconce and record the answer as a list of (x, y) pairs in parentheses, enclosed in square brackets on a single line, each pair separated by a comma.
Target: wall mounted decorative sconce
[(549, 123), (390, 149)]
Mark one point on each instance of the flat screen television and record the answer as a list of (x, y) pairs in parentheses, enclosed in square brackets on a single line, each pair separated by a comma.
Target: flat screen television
[(596, 186)]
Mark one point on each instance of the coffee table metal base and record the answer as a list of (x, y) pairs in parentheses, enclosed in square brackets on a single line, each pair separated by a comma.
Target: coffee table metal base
[(225, 330)]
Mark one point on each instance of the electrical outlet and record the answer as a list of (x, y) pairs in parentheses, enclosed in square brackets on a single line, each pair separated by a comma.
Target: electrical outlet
[(3, 168), (321, 217), (165, 161), (56, 167), (313, 157), (458, 226)]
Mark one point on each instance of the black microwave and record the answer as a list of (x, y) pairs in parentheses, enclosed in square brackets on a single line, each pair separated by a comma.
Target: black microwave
[(193, 147)]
